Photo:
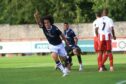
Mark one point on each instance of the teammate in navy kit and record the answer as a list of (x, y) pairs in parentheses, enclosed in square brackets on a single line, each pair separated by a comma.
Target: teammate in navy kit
[(73, 48), (54, 35)]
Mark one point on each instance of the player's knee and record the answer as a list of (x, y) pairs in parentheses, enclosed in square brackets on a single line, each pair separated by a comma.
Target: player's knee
[(75, 51), (54, 56)]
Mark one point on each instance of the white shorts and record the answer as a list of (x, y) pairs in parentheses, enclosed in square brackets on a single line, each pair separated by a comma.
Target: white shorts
[(59, 49)]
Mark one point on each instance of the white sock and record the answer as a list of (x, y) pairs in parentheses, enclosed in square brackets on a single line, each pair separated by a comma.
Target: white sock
[(61, 67)]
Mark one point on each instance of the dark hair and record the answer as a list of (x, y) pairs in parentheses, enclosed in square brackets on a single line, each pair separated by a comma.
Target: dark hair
[(48, 17), (66, 23), (99, 13), (105, 11)]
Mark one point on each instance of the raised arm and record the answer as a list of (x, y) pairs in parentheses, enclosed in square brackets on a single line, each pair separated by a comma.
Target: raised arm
[(38, 18)]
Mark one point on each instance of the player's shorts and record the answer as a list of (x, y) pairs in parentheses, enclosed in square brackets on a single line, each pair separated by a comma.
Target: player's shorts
[(76, 47), (96, 44), (70, 49), (105, 45), (59, 49)]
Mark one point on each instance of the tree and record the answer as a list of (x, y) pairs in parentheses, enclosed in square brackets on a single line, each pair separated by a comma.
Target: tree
[(72, 11)]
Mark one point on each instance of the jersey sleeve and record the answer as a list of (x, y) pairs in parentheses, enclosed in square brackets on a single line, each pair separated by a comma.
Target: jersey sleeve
[(94, 24), (72, 33), (97, 23)]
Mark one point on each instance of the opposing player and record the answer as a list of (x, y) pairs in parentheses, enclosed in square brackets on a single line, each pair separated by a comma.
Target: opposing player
[(73, 48), (109, 52), (98, 16), (105, 31), (54, 35)]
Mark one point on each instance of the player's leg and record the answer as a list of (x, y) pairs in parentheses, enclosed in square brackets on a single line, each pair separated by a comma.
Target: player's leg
[(105, 57), (62, 52), (107, 52), (100, 54), (96, 44), (70, 59), (58, 63), (110, 55), (111, 60), (69, 51), (61, 60), (98, 58), (77, 51), (96, 50), (54, 54)]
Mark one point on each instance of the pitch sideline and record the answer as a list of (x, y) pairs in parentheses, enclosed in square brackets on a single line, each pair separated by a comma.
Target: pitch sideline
[(121, 82)]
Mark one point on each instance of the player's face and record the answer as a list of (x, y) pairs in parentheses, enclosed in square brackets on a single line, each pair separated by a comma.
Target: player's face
[(66, 26), (47, 24)]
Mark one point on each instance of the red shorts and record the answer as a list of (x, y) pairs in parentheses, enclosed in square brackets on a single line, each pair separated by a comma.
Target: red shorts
[(105, 45), (96, 44)]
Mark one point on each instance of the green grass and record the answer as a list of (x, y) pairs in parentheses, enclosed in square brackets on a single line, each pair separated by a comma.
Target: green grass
[(40, 70)]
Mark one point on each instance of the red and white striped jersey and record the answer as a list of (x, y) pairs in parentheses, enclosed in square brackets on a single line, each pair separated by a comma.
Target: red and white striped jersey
[(105, 25)]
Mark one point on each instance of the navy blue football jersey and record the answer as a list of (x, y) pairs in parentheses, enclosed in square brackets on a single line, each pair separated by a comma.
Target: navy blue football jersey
[(69, 34), (53, 35)]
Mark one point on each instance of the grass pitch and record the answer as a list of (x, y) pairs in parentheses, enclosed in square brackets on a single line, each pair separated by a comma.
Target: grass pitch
[(40, 70)]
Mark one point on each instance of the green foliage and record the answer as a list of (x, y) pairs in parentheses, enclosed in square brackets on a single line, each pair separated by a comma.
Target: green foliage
[(73, 11), (116, 8)]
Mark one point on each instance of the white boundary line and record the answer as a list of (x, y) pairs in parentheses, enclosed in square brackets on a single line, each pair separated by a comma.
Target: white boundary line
[(121, 82)]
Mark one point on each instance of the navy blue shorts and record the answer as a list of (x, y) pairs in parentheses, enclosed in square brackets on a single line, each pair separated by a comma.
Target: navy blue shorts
[(70, 49)]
